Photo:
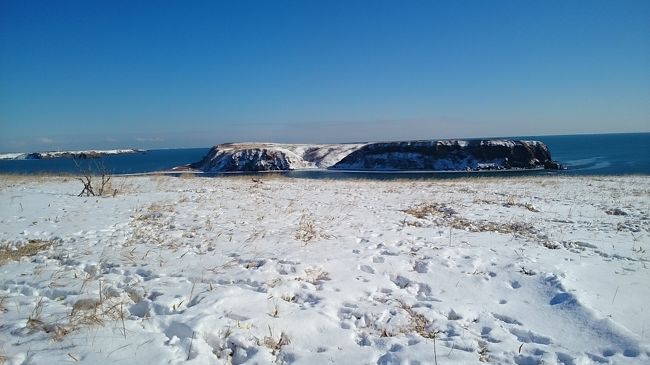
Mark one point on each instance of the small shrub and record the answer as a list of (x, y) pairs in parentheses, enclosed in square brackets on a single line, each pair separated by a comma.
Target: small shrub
[(93, 187)]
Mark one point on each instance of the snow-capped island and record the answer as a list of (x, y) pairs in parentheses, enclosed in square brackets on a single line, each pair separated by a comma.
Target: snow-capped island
[(67, 154), (441, 155)]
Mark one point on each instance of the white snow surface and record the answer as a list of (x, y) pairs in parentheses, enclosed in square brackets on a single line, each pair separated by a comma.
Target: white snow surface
[(12, 156), (550, 270)]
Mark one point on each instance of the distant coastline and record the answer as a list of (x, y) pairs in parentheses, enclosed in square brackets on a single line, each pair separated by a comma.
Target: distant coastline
[(584, 154), (420, 155), (85, 154)]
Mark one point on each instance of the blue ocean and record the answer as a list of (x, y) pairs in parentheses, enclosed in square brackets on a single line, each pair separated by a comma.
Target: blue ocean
[(595, 154)]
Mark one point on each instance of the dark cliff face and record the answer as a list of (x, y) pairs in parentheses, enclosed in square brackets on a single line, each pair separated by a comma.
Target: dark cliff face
[(247, 159), (449, 155)]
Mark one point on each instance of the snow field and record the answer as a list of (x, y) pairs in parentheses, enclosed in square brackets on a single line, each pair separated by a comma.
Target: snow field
[(520, 271)]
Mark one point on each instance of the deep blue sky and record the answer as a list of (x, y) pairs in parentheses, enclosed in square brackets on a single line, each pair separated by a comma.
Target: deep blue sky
[(81, 74)]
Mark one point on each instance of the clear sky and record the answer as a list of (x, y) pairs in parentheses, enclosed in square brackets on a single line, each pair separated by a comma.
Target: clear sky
[(101, 74)]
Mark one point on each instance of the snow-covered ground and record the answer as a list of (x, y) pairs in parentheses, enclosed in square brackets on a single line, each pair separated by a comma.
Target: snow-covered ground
[(525, 271)]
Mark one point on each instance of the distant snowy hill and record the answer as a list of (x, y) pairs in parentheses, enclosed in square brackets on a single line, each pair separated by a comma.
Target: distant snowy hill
[(66, 154), (444, 155)]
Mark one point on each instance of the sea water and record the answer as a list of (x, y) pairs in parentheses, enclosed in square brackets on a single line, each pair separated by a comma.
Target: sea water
[(133, 163), (595, 154)]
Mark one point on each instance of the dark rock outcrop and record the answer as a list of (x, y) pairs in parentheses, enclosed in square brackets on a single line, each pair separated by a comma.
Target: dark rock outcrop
[(231, 158), (449, 155), (253, 156)]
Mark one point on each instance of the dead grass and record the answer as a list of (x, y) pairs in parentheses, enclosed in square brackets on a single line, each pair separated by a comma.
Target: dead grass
[(30, 248), (314, 276), (308, 231), (445, 216), (3, 307), (275, 311), (483, 352), (85, 312), (90, 311), (187, 176), (273, 344), (423, 211), (7, 179), (419, 323), (509, 203)]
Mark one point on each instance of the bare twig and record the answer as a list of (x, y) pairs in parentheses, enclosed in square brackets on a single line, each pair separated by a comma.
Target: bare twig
[(189, 350)]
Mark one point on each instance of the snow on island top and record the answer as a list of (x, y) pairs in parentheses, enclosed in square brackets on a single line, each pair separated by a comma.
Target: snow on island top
[(428, 155), (67, 154)]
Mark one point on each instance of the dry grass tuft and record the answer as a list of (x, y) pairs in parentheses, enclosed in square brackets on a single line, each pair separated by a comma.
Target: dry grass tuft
[(445, 216), (187, 175), (419, 323), (307, 231), (30, 248), (314, 276), (3, 308), (275, 312), (423, 211), (483, 352), (273, 344), (85, 312)]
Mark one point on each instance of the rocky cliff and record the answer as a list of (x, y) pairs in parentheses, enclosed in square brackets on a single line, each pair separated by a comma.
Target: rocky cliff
[(445, 155), (232, 157), (449, 155)]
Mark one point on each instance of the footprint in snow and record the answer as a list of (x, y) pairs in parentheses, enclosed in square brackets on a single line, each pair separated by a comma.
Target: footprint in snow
[(453, 316), (527, 360), (486, 335), (563, 298), (400, 281), (421, 267), (564, 359), (506, 319), (425, 293), (530, 337)]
